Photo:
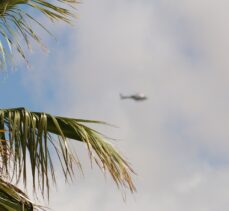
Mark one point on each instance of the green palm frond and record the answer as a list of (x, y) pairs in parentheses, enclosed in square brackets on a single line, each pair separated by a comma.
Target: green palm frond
[(13, 199), (34, 139), (16, 18)]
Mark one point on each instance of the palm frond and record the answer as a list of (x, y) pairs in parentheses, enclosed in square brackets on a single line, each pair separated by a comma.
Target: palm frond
[(34, 139), (13, 199), (16, 18)]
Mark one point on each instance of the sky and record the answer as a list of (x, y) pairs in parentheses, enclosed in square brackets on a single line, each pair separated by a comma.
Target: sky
[(176, 52)]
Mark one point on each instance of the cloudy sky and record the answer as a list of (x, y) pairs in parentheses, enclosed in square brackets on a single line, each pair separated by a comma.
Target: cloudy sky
[(178, 140)]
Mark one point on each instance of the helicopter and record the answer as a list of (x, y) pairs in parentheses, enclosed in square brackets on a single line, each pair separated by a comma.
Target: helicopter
[(136, 97)]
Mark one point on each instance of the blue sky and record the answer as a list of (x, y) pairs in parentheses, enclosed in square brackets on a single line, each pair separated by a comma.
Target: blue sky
[(177, 141)]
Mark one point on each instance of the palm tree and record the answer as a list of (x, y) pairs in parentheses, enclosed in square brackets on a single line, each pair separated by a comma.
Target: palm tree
[(34, 139)]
